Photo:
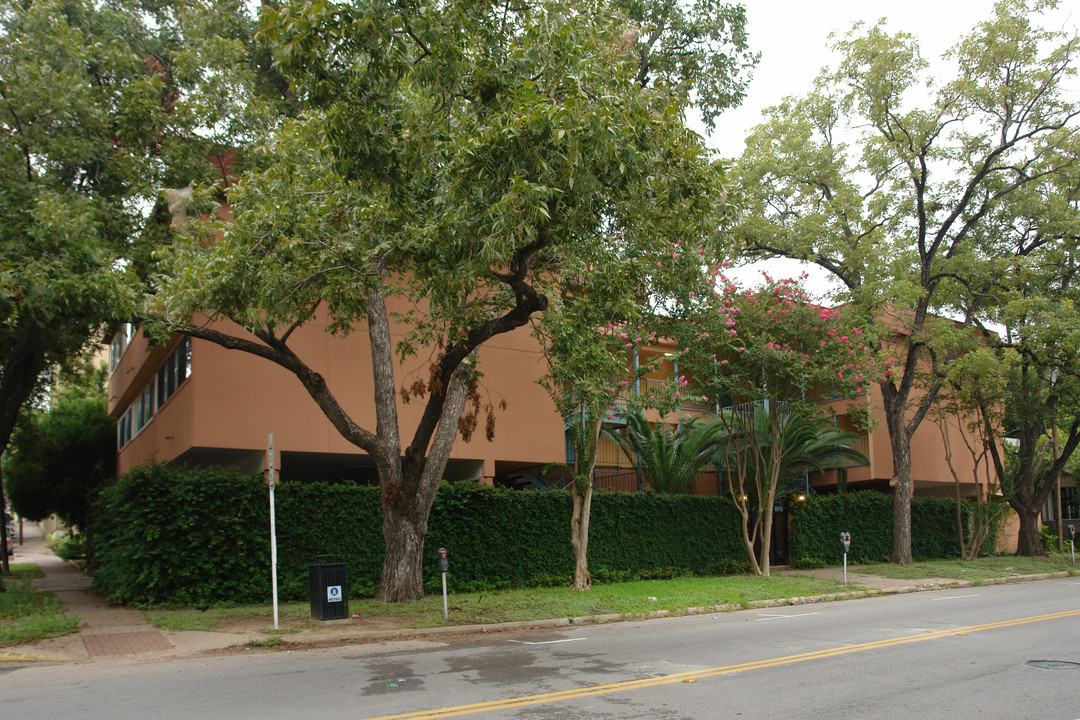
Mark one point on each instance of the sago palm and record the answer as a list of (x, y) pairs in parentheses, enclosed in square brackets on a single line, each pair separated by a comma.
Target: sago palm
[(671, 458)]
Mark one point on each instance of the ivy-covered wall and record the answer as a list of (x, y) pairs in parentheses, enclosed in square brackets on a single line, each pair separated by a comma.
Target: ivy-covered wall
[(193, 537), (164, 535), (868, 516)]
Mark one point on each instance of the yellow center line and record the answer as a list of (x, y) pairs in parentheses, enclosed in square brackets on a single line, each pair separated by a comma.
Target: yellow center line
[(510, 703)]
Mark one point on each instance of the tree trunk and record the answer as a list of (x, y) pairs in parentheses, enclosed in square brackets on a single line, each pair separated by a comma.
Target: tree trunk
[(408, 492), (766, 539), (748, 537), (901, 454), (404, 530), (1029, 541), (579, 536), (5, 564)]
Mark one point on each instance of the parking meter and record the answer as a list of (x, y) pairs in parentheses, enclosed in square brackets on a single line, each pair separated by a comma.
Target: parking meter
[(845, 540), (444, 565)]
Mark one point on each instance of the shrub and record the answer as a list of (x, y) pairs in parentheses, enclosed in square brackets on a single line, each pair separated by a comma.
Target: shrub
[(868, 516), (167, 535)]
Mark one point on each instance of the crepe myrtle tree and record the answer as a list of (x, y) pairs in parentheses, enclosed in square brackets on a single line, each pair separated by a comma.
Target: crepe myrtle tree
[(886, 176), (769, 358), (468, 158)]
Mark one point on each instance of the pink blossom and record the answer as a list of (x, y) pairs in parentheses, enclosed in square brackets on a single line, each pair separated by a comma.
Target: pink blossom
[(624, 383), (623, 336), (723, 362), (742, 349)]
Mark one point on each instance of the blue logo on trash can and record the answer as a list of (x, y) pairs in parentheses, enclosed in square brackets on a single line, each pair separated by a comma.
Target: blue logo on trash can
[(333, 593)]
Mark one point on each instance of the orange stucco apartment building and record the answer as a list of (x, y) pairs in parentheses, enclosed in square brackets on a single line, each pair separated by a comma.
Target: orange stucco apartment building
[(196, 403)]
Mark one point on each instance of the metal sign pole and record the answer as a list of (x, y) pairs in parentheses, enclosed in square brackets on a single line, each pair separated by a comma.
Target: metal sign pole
[(273, 527)]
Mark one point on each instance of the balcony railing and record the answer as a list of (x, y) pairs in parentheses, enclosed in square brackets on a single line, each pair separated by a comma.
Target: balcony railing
[(686, 402)]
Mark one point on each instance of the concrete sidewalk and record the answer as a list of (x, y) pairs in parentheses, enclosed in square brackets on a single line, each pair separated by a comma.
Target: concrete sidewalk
[(107, 631), (111, 633)]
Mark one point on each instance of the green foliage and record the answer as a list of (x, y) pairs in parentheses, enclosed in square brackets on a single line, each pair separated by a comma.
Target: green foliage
[(818, 522), (671, 459), (70, 547), (768, 357), (914, 188), (27, 615), (481, 164), (189, 537), (199, 537), (60, 458), (1048, 539)]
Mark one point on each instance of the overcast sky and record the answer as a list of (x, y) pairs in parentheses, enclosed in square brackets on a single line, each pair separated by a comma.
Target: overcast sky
[(793, 39)]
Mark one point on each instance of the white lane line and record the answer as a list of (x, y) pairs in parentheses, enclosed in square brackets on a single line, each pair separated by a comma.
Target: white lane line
[(546, 642), (779, 617), (956, 597)]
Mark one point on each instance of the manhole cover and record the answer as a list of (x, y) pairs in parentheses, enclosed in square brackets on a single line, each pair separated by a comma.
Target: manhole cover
[(1053, 664)]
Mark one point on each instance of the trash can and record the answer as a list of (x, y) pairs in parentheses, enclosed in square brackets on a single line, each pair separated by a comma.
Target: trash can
[(329, 589)]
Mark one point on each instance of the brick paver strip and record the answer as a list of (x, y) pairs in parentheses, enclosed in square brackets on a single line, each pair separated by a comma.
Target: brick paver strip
[(127, 643)]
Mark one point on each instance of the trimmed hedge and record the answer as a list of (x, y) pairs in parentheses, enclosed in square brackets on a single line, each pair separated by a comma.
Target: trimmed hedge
[(166, 535), (868, 516)]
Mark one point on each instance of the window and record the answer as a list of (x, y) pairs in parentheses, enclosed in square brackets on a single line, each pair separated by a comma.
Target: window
[(119, 345), (123, 429), (175, 370), (170, 375), (144, 408)]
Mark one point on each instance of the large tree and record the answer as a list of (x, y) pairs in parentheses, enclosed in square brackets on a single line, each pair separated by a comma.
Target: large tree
[(470, 159), (1024, 384), (85, 120), (886, 176)]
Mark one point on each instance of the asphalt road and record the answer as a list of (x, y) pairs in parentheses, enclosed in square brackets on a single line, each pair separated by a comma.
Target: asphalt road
[(946, 654)]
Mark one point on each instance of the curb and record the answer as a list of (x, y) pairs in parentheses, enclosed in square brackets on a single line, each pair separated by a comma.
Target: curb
[(315, 637)]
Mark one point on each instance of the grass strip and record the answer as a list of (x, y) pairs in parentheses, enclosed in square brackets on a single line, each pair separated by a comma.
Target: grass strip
[(27, 614), (633, 598), (989, 568)]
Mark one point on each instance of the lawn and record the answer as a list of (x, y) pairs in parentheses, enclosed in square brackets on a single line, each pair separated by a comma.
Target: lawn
[(983, 569), (27, 614), (630, 598), (634, 599)]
